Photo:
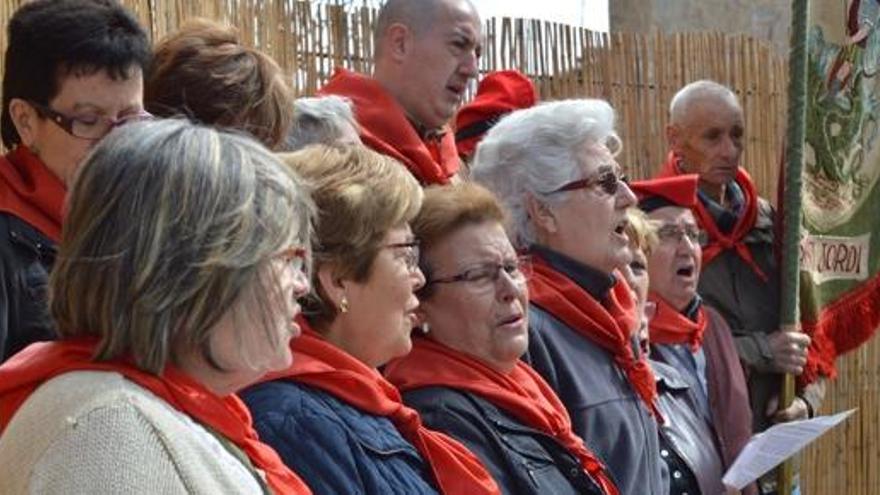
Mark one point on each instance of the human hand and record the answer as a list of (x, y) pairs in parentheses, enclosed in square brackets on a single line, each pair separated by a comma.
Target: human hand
[(798, 409), (789, 350)]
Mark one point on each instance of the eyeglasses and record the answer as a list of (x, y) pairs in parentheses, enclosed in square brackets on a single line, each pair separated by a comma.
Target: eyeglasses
[(92, 128), (675, 233), (410, 255), (487, 274), (608, 181)]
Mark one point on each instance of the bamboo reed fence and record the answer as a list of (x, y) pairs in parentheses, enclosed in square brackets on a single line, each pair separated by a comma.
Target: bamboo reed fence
[(638, 74)]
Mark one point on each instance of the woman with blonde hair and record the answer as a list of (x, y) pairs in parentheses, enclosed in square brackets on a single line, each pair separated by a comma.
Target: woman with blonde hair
[(181, 260), (331, 415), (465, 377)]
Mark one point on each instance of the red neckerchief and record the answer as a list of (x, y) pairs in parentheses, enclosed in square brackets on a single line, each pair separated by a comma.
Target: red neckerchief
[(30, 191), (719, 241), (385, 129), (319, 364), (522, 393), (609, 327), (228, 416), (669, 326)]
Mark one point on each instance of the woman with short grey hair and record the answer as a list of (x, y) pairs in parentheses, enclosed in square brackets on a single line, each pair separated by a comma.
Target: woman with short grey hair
[(327, 120), (554, 168), (183, 253)]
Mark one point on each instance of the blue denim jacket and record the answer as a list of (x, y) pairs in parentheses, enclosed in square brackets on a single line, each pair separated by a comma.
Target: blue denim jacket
[(334, 447)]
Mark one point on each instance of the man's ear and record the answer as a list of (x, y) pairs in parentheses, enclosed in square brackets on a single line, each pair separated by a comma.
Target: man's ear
[(399, 40), (541, 215), (673, 137), (24, 118)]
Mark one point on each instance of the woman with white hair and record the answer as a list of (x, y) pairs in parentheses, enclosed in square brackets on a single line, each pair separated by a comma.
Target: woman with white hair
[(553, 167)]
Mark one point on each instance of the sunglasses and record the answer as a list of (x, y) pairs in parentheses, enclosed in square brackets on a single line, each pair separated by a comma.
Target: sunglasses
[(609, 182)]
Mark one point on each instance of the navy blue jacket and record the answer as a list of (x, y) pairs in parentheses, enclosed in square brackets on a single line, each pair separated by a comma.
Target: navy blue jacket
[(334, 447)]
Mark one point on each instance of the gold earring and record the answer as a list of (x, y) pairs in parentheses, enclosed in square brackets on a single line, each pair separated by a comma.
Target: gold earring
[(343, 305)]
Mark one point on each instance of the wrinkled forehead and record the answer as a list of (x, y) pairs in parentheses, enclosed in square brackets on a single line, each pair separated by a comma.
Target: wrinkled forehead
[(673, 215), (714, 111), (473, 242)]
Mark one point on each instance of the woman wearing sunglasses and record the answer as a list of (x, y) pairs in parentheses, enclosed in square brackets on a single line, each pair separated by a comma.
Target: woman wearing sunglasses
[(553, 167), (331, 415), (73, 71), (465, 376)]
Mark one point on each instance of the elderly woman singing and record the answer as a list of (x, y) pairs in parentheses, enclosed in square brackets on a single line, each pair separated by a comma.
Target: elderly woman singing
[(466, 378), (553, 167), (331, 415), (175, 286)]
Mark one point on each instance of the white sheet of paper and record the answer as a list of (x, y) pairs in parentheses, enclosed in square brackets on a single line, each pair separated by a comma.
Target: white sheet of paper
[(768, 449)]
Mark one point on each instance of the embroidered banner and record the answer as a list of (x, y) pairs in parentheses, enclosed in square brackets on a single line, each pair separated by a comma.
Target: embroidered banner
[(840, 288)]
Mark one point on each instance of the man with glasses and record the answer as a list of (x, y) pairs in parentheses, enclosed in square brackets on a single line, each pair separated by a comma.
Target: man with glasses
[(692, 338), (74, 70), (740, 274)]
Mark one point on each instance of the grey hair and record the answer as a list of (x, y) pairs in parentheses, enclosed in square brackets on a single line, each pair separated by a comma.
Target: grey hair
[(536, 150), (319, 120), (681, 103), (170, 227)]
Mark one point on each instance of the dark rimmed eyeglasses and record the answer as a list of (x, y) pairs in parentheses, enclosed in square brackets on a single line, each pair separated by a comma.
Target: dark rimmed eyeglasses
[(410, 250), (676, 233), (487, 274), (608, 181), (92, 128)]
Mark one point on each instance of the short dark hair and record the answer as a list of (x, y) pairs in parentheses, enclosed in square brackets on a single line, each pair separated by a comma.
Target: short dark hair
[(50, 39)]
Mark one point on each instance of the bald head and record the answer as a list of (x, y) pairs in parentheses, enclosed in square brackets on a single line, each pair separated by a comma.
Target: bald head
[(414, 14), (426, 53), (695, 93)]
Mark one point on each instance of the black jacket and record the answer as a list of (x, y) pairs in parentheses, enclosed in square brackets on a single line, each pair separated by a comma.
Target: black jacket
[(521, 459), (26, 256)]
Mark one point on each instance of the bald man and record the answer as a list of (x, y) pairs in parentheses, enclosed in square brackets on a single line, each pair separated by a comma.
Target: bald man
[(426, 52), (740, 275)]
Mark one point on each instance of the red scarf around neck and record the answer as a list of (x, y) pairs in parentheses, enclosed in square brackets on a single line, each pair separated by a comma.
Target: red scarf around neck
[(719, 241), (320, 364), (385, 129), (521, 393), (228, 416), (31, 192), (610, 327), (669, 326)]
